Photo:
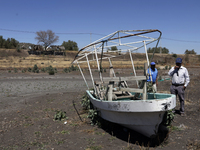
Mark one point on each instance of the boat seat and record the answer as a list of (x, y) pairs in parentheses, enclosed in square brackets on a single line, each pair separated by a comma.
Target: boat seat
[(118, 79)]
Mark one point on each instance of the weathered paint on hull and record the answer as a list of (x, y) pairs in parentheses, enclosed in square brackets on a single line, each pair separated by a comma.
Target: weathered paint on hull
[(143, 116)]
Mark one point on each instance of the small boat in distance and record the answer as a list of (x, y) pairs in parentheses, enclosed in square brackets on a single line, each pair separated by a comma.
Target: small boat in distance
[(124, 99)]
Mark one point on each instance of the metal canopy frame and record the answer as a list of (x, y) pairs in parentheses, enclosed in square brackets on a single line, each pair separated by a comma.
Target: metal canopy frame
[(127, 41)]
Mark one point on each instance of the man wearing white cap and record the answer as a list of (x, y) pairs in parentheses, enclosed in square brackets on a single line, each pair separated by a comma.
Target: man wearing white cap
[(180, 80), (153, 78)]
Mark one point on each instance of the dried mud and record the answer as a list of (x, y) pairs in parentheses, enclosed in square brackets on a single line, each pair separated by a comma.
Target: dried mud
[(28, 103)]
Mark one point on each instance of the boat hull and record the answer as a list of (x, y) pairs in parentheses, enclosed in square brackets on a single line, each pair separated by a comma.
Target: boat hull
[(143, 116)]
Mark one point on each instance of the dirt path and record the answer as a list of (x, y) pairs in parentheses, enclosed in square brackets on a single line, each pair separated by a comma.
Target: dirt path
[(28, 103)]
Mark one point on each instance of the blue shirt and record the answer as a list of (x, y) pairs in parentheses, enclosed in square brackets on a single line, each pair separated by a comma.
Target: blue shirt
[(154, 75)]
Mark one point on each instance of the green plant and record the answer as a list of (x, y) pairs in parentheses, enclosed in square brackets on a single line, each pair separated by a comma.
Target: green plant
[(55, 70), (95, 119), (85, 102), (29, 69), (35, 69), (174, 55), (15, 70), (60, 115), (18, 49), (43, 70), (168, 118), (24, 70), (160, 78), (9, 71), (94, 148), (51, 70)]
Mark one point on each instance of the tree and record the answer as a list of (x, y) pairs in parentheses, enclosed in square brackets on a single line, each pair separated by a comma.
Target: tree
[(190, 51), (158, 49), (9, 43), (46, 38), (70, 45), (114, 48)]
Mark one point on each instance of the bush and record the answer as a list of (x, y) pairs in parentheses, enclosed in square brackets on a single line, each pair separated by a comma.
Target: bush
[(29, 69), (24, 70), (35, 69), (65, 70), (174, 55), (72, 68), (51, 70), (15, 70), (43, 70), (18, 49)]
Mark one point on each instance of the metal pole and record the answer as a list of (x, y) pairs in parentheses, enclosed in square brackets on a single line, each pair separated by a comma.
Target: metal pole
[(83, 76), (133, 66), (98, 64), (111, 66), (91, 73), (147, 60)]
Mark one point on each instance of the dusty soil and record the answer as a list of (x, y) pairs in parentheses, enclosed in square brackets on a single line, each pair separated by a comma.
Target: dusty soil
[(28, 103)]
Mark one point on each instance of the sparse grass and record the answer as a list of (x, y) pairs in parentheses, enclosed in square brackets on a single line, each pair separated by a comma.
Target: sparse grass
[(174, 128), (94, 147), (65, 132)]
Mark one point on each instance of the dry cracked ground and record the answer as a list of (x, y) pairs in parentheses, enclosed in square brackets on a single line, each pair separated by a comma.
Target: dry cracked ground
[(28, 103)]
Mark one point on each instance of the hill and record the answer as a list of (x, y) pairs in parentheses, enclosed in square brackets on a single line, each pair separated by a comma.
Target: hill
[(12, 58)]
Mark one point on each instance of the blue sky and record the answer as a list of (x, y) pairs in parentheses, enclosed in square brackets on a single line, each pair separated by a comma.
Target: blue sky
[(178, 20)]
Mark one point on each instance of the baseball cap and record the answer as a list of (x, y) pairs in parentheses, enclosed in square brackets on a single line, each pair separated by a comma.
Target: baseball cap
[(178, 60), (153, 63)]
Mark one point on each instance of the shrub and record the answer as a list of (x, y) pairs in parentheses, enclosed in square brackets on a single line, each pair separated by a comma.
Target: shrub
[(60, 115), (29, 69), (43, 70), (160, 78), (65, 70), (51, 70), (9, 71), (72, 68), (55, 70), (174, 55), (15, 70), (35, 69), (18, 49), (24, 70)]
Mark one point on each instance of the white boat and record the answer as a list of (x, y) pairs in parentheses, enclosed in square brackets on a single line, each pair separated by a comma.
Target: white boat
[(143, 116), (112, 95)]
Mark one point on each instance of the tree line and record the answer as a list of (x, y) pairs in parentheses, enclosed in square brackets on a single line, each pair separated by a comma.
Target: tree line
[(8, 43), (46, 38), (158, 50)]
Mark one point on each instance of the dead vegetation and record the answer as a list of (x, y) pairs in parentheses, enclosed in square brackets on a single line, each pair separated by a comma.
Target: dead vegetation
[(13, 58)]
